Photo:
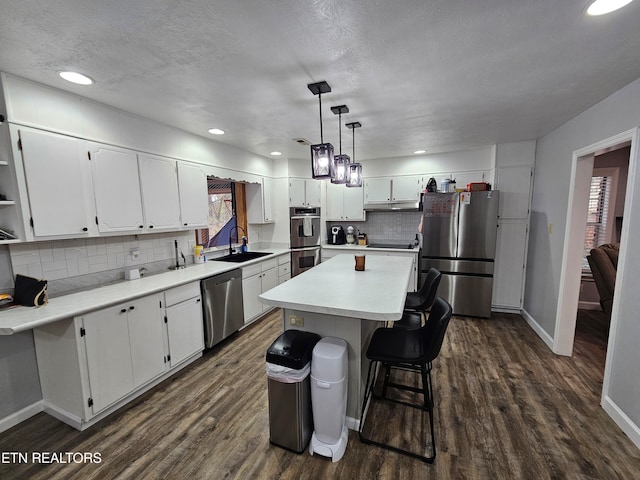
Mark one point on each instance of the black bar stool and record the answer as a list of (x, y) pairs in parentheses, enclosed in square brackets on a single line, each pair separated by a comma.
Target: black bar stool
[(408, 350), (417, 303)]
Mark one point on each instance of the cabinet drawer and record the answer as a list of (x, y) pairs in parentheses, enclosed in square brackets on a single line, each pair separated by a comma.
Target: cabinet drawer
[(284, 259), (181, 293), (269, 264), (284, 269), (251, 270)]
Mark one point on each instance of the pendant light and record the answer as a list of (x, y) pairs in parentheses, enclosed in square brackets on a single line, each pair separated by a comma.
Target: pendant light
[(340, 164), (354, 178), (321, 153)]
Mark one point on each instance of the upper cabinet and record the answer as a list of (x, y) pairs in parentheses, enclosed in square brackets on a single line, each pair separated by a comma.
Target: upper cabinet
[(57, 183), (396, 189), (116, 185), (160, 199), (377, 190), (405, 189), (194, 203), (260, 201), (304, 192), (344, 203), (514, 184)]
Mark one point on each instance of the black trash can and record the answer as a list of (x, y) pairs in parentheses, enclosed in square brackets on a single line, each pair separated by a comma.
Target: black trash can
[(288, 369)]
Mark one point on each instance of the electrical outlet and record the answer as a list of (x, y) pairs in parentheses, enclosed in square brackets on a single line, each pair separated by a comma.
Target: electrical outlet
[(296, 321)]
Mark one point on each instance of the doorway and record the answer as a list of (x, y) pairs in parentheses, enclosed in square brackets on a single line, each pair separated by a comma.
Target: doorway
[(571, 272)]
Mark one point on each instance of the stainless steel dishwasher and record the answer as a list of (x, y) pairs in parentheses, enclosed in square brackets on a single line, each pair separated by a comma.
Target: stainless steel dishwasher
[(222, 306)]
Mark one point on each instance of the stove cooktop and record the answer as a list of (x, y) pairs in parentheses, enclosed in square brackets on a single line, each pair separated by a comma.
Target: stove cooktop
[(404, 246)]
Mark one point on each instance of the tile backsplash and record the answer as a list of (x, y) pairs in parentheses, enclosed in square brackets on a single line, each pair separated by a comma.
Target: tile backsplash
[(72, 264), (392, 227)]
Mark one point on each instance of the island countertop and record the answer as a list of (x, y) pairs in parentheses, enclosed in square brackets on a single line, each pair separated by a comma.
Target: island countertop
[(335, 288)]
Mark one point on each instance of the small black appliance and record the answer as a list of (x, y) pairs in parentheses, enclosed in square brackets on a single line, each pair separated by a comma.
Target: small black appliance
[(337, 235)]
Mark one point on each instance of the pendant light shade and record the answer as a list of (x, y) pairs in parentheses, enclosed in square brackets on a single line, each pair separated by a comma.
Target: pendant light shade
[(321, 153), (340, 164), (354, 178)]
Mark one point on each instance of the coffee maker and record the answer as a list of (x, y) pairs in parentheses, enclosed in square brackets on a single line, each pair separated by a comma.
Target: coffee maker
[(337, 235)]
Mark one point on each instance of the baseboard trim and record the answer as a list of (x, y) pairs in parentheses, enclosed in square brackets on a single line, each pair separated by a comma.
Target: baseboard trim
[(353, 423), (21, 415), (622, 420), (535, 326)]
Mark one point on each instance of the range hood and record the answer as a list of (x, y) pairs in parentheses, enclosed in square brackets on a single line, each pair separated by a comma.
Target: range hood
[(394, 207)]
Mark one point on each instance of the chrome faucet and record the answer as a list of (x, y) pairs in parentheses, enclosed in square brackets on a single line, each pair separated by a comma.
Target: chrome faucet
[(231, 231)]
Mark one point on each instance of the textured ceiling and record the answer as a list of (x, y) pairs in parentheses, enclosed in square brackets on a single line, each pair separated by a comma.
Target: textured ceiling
[(432, 75)]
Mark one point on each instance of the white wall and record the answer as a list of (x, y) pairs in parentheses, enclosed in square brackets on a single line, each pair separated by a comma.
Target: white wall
[(617, 113)]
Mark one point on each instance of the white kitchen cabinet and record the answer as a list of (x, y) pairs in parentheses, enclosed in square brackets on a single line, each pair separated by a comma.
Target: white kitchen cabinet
[(116, 185), (344, 203), (260, 202), (194, 200), (256, 279), (514, 184), (405, 189), (508, 277), (124, 347), (183, 316), (284, 268), (160, 199), (108, 353), (57, 188), (304, 192), (377, 190), (92, 364), (395, 189)]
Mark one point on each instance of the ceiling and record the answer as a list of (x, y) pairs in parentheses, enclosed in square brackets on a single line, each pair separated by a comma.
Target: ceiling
[(435, 75)]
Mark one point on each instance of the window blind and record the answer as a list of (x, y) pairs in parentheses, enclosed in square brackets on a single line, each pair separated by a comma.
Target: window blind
[(597, 215)]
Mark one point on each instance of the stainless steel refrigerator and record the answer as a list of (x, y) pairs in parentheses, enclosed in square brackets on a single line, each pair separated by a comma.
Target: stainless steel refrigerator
[(459, 239)]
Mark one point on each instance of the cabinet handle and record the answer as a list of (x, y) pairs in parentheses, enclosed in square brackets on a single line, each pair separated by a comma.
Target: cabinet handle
[(124, 310), (186, 224), (198, 300), (140, 226), (131, 307), (150, 226), (85, 229)]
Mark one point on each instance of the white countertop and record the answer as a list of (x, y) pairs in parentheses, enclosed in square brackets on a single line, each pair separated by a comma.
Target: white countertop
[(335, 288), (18, 319), (348, 247)]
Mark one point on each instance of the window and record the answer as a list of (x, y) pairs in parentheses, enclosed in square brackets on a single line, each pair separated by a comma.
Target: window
[(599, 213), (223, 213)]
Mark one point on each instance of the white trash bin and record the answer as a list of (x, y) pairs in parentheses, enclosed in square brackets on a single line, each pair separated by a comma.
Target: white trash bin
[(329, 398)]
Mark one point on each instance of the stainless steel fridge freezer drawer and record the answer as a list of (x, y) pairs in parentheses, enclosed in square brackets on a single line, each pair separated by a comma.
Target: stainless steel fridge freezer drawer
[(475, 267), (468, 295)]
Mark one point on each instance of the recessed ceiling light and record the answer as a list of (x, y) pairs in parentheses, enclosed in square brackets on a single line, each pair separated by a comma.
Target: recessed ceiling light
[(75, 77), (420, 151), (216, 131), (275, 154), (600, 7)]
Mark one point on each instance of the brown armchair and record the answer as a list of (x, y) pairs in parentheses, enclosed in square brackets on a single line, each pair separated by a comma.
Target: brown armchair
[(603, 261)]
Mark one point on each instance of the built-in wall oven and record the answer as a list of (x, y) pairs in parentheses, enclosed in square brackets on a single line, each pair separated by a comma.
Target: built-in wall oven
[(305, 238)]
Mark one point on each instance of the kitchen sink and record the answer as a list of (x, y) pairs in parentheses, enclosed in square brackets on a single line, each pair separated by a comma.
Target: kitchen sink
[(241, 257)]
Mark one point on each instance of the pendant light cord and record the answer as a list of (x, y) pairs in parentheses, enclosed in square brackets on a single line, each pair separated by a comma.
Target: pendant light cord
[(340, 129), (320, 104)]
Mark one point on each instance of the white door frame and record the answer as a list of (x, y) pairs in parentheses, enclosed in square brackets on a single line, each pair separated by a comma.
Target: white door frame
[(570, 274)]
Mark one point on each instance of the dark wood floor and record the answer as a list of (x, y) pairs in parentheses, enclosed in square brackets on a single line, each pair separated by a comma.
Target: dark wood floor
[(506, 408)]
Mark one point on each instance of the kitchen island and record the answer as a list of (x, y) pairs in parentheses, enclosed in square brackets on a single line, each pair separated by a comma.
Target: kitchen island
[(332, 299)]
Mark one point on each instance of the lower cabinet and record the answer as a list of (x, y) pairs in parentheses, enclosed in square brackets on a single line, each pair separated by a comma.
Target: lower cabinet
[(256, 279), (124, 349), (92, 364), (183, 316)]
